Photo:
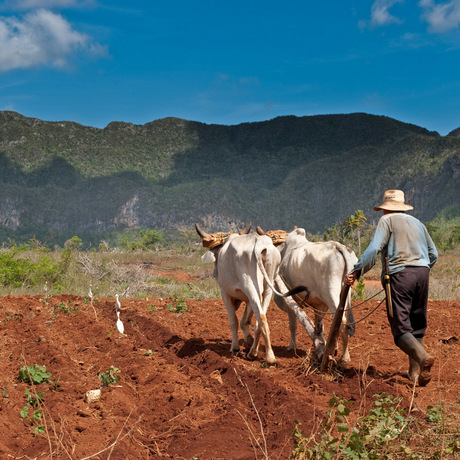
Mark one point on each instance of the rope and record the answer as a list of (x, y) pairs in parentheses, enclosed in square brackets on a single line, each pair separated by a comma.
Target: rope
[(364, 301), (369, 314), (305, 304)]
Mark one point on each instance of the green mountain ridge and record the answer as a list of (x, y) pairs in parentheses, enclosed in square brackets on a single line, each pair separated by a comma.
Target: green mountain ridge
[(308, 171)]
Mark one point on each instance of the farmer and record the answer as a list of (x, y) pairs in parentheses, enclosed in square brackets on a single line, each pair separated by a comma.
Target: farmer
[(411, 253)]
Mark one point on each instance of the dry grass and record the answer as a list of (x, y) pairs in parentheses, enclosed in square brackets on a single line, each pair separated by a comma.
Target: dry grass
[(145, 274)]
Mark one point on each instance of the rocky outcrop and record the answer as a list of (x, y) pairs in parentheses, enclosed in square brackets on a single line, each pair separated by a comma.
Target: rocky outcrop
[(306, 171)]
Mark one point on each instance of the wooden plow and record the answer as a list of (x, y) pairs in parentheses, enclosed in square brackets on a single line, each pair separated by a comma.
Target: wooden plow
[(331, 343)]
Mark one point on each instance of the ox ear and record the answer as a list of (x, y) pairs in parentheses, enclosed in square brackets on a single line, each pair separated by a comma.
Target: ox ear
[(208, 257), (260, 231), (246, 230), (201, 232)]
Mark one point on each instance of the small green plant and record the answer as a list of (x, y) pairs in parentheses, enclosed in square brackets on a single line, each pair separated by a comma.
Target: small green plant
[(13, 316), (33, 401), (34, 375), (34, 418), (32, 412), (178, 305), (385, 422), (438, 417), (55, 384), (109, 377), (358, 290), (151, 308), (67, 309), (330, 444), (435, 413)]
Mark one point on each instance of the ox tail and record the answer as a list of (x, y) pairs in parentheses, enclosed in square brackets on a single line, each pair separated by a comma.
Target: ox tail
[(350, 317), (351, 325), (261, 266)]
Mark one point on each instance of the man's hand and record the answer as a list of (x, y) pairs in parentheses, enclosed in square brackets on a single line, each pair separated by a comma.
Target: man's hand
[(350, 278)]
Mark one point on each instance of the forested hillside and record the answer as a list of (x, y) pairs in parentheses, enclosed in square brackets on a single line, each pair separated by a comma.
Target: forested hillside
[(307, 171)]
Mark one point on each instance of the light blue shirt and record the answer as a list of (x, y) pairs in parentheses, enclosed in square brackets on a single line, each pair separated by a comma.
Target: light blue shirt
[(404, 240)]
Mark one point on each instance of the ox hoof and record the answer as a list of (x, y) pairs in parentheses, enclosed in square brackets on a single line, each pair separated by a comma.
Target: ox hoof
[(271, 359), (251, 357)]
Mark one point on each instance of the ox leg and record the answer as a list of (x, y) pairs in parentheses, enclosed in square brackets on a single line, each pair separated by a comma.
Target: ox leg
[(244, 324), (262, 329), (319, 341), (294, 311), (344, 336), (259, 310), (254, 351), (231, 305), (266, 298)]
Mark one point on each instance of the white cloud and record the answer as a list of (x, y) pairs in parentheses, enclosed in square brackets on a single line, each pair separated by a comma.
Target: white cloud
[(47, 4), (412, 40), (8, 108), (380, 14), (441, 17), (40, 38)]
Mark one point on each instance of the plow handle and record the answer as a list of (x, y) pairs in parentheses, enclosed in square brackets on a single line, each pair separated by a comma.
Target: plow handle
[(334, 331)]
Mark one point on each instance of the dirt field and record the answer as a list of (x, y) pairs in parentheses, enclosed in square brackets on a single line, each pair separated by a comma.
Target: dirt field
[(181, 394)]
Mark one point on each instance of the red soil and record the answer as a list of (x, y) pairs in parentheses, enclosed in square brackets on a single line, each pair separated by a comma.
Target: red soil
[(181, 393)]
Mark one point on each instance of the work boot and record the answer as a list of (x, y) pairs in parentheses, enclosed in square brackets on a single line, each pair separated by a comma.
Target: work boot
[(414, 368), (414, 349)]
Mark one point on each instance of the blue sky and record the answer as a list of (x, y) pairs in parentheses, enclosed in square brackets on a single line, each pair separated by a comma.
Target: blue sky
[(230, 62)]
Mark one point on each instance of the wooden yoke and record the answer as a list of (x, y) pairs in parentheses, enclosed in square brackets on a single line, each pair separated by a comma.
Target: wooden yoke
[(334, 331)]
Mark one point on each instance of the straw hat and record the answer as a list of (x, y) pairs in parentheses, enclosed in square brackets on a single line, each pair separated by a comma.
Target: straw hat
[(393, 200)]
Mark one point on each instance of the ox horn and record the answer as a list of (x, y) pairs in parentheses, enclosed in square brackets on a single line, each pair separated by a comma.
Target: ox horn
[(260, 231), (246, 229), (201, 232)]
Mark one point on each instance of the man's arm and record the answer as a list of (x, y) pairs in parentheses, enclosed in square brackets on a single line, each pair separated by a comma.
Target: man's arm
[(369, 256)]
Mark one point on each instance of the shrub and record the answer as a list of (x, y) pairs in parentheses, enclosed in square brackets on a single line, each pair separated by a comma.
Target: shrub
[(147, 239), (369, 438)]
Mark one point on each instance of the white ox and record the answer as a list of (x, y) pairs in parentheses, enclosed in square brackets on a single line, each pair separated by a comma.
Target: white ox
[(321, 267), (245, 266)]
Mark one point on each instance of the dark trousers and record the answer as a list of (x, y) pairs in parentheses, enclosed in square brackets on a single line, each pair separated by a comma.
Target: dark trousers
[(409, 295)]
